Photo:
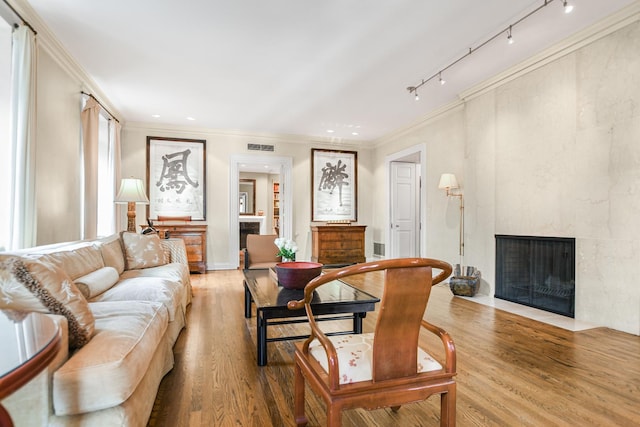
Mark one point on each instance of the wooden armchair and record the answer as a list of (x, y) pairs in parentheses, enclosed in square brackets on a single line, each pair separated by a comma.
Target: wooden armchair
[(385, 368)]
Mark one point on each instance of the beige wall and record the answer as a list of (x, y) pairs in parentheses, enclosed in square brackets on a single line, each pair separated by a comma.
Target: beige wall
[(58, 156), (555, 152), (220, 147)]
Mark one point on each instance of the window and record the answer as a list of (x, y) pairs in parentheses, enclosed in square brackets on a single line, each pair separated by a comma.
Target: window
[(5, 132)]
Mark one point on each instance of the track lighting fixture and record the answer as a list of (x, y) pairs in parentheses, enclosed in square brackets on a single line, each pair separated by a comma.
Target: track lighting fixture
[(414, 89), (567, 7)]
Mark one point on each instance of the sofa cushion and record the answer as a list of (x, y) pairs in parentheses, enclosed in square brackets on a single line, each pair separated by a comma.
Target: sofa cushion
[(156, 289), (76, 262), (97, 282), (106, 371), (35, 285), (142, 250), (112, 254)]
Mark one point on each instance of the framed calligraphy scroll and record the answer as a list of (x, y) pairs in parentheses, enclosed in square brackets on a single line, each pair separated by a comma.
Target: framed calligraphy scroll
[(176, 177), (334, 185)]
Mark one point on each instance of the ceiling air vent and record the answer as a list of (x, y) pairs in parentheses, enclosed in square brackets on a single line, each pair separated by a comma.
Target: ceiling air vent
[(260, 147)]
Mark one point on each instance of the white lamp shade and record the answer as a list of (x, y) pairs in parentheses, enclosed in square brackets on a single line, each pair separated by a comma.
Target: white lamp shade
[(448, 181), (131, 190)]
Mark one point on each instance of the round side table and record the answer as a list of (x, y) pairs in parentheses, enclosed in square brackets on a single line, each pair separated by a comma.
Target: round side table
[(30, 341)]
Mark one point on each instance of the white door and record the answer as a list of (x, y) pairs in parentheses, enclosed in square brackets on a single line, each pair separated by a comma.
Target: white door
[(404, 194)]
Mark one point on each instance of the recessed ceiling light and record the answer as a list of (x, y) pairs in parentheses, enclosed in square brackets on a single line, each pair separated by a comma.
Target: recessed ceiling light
[(155, 116), (330, 130), (355, 133), (190, 118)]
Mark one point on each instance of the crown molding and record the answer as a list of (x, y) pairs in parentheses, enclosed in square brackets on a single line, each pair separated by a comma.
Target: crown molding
[(164, 128), (421, 122), (48, 41)]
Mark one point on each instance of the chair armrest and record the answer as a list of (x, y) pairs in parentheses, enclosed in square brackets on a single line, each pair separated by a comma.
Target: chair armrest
[(316, 333), (449, 346)]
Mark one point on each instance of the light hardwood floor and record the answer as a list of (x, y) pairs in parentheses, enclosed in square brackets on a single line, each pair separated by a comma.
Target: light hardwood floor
[(512, 371)]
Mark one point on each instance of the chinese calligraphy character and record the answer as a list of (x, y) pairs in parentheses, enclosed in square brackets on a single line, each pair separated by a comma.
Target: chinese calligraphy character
[(174, 173), (332, 177)]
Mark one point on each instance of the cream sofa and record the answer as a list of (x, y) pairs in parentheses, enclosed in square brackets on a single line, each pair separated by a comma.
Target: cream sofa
[(112, 379)]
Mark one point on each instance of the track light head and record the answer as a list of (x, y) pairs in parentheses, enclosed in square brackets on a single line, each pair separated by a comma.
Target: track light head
[(567, 7), (509, 36), (414, 90), (442, 82)]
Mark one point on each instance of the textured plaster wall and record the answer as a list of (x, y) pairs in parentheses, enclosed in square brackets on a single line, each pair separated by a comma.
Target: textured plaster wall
[(554, 152)]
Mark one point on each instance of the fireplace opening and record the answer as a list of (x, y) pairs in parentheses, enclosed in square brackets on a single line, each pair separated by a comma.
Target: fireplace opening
[(248, 228), (537, 271)]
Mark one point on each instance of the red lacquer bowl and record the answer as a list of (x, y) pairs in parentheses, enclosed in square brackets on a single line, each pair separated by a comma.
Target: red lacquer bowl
[(296, 274)]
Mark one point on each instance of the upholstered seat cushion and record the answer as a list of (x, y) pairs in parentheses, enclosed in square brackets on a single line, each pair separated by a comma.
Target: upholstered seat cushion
[(106, 371), (168, 292), (354, 356), (174, 271)]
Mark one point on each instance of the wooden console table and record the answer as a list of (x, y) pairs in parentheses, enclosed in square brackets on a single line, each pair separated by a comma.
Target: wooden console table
[(337, 244), (195, 240)]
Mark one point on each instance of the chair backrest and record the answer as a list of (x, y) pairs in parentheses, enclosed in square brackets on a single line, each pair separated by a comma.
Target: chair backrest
[(404, 300), (261, 248), (407, 287)]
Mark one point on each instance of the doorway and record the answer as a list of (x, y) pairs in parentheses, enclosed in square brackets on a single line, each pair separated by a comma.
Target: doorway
[(281, 166), (405, 236)]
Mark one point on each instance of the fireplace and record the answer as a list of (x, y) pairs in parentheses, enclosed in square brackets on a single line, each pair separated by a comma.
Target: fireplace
[(537, 271), (248, 228)]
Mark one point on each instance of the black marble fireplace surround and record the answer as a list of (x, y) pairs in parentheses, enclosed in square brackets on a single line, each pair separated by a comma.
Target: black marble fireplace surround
[(537, 271)]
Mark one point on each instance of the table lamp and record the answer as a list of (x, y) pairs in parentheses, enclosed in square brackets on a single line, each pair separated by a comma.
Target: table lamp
[(132, 193)]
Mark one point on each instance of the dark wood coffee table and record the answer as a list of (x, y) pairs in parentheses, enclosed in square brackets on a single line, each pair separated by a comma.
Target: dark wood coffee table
[(334, 298)]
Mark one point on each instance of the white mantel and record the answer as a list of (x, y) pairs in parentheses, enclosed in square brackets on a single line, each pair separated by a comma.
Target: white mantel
[(255, 218)]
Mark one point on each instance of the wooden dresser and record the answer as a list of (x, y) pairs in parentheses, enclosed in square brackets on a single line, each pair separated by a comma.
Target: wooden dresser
[(195, 239), (337, 244)]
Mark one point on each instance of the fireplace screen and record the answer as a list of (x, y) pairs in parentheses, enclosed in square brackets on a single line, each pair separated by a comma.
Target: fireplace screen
[(537, 271)]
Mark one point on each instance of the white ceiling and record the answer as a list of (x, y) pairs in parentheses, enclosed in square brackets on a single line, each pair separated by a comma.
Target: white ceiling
[(299, 66)]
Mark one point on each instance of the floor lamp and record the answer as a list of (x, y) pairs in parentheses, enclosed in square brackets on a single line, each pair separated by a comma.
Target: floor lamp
[(132, 193), (449, 182)]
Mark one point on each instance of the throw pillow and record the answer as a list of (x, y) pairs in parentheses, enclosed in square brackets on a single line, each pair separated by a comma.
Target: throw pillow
[(97, 282), (33, 285), (142, 250), (112, 254)]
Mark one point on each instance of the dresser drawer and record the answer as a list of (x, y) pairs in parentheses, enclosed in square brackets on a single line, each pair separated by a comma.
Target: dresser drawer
[(333, 244)]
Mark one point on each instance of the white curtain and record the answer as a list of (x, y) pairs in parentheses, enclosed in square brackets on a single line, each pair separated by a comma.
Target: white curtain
[(23, 117), (114, 173), (90, 134)]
